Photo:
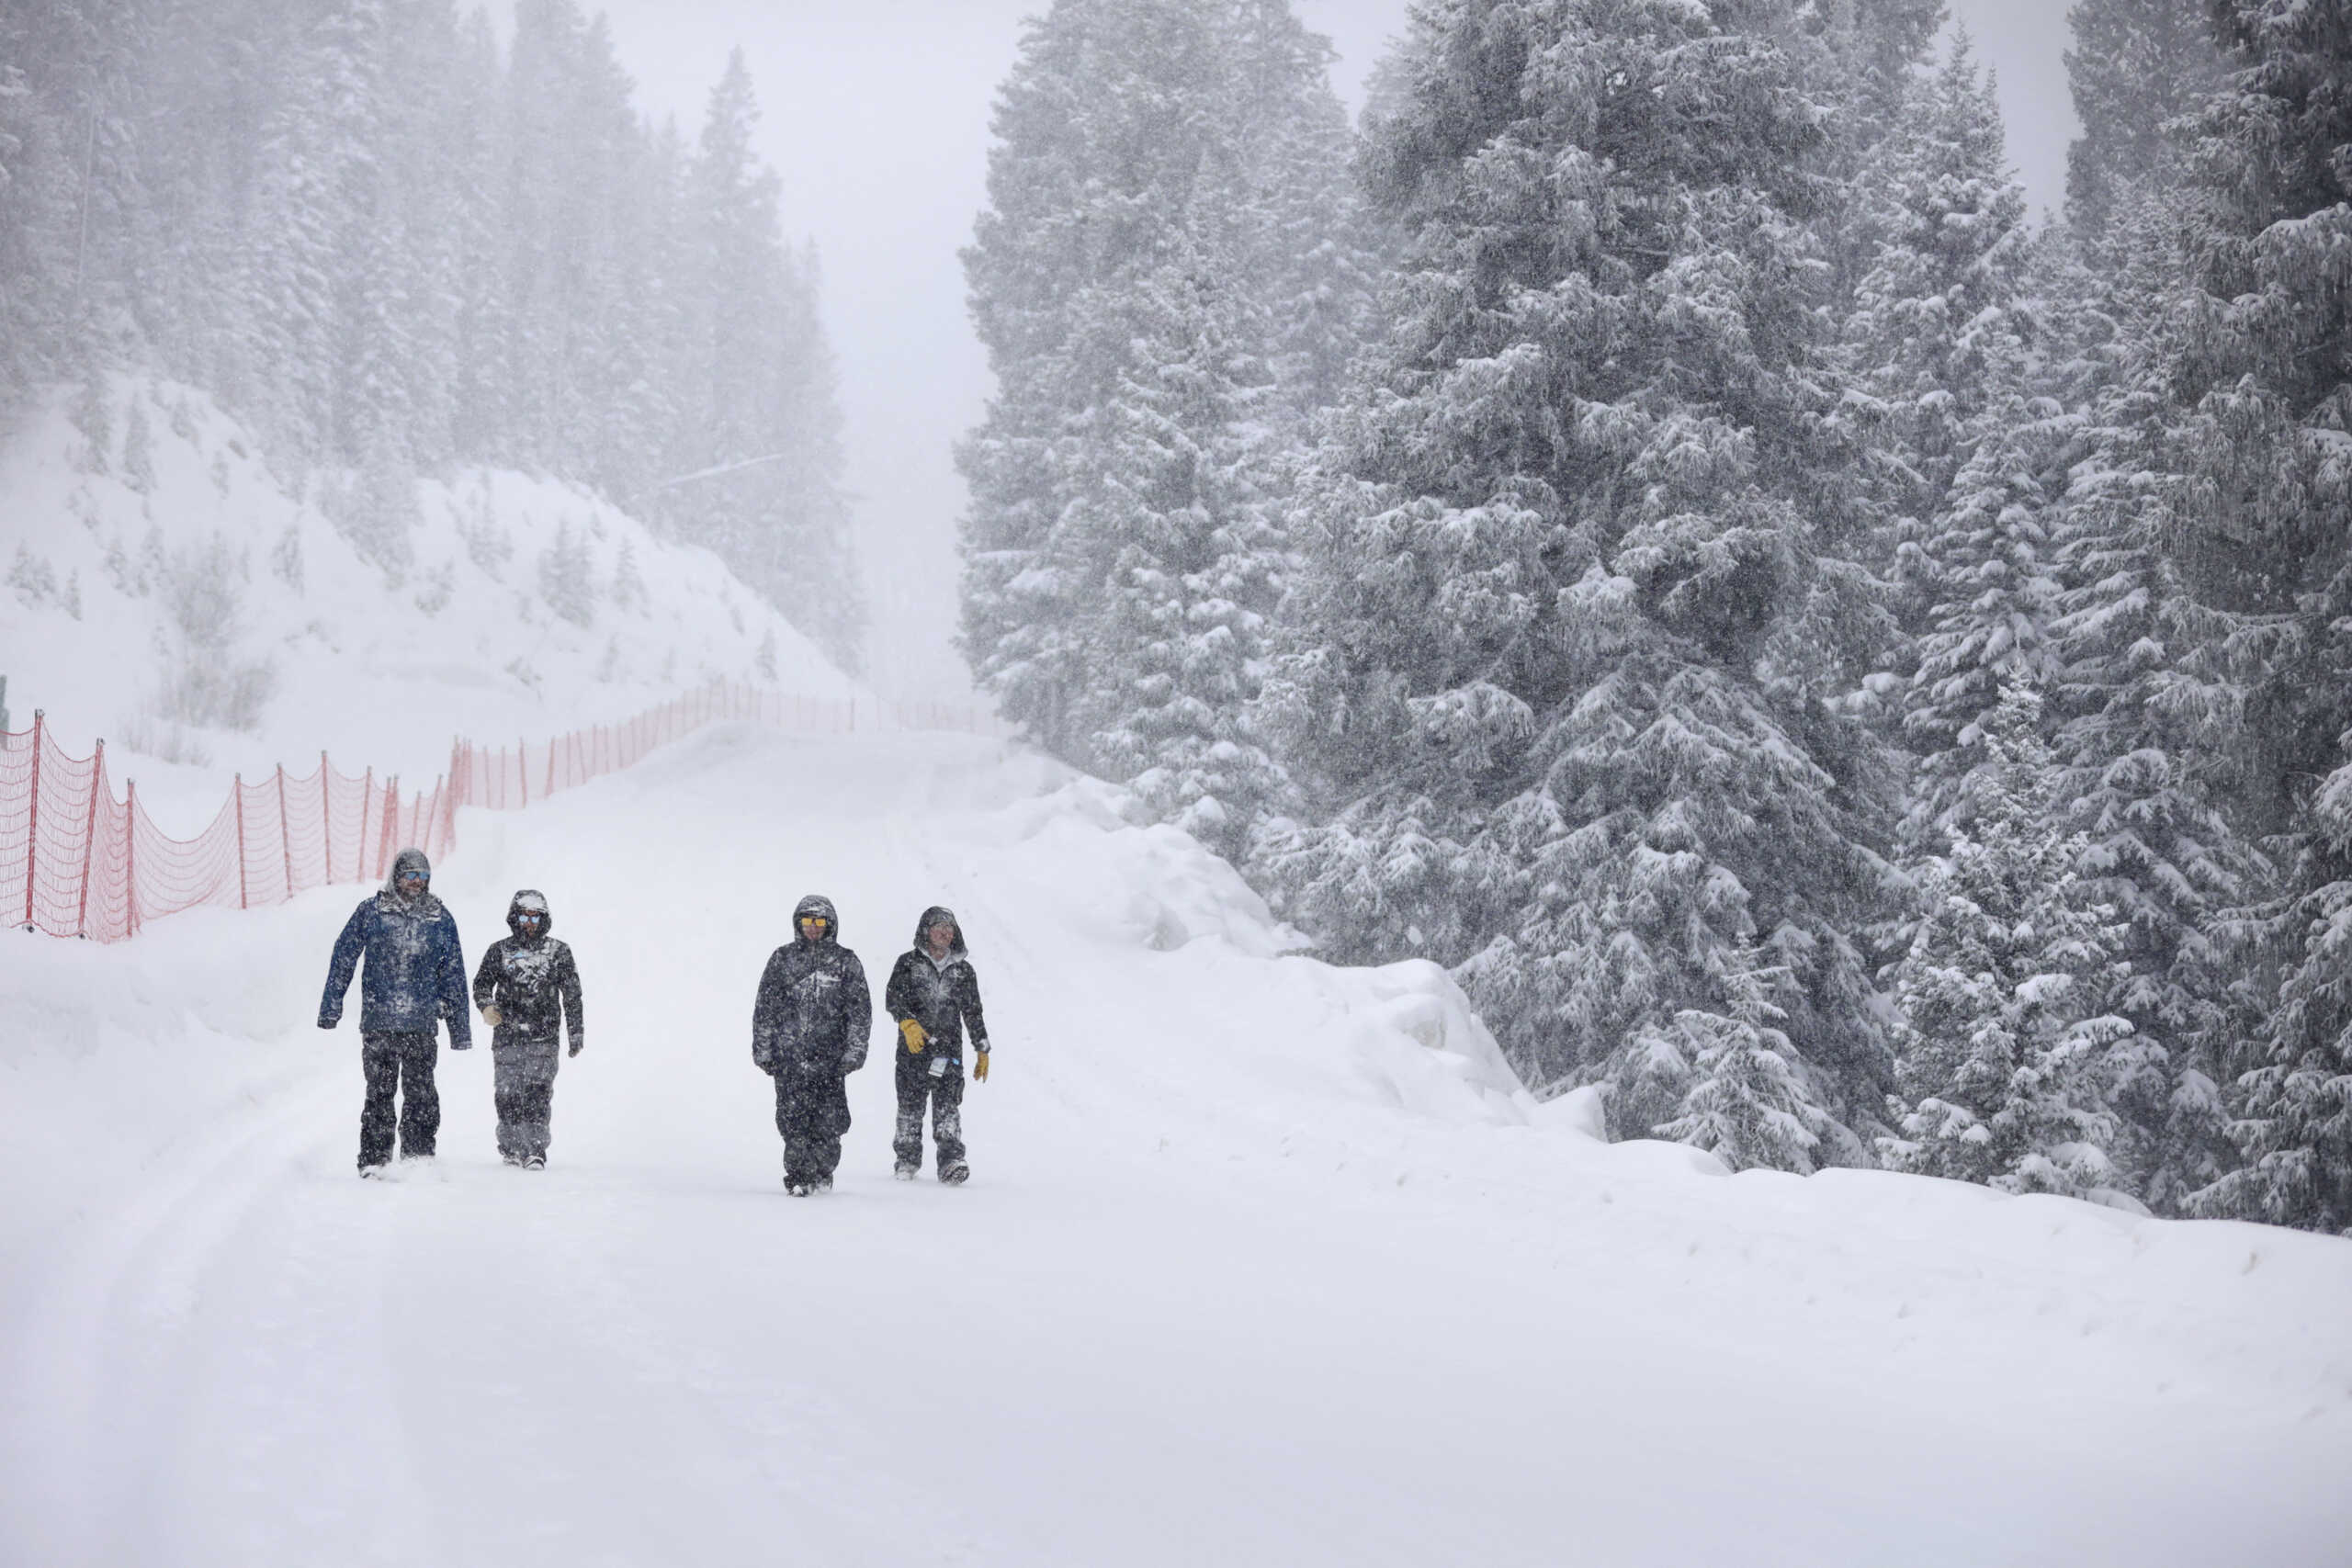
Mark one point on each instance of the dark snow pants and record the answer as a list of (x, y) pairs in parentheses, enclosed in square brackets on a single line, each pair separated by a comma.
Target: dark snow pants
[(398, 1061), (945, 1094), (523, 1082), (812, 1112)]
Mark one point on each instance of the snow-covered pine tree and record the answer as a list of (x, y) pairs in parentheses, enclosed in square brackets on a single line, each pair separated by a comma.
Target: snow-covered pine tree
[(2136, 66), (1171, 273), (1102, 132), (2266, 538), (1303, 246), (2008, 1056), (1194, 560), (1932, 339), (2141, 776), (567, 578), (1747, 1104), (1574, 594)]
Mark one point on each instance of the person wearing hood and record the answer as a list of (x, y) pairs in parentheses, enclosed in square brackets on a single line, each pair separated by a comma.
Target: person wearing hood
[(414, 981), (529, 990), (936, 996), (809, 1027)]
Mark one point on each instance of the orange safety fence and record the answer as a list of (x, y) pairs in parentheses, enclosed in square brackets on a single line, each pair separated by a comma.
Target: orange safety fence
[(77, 861)]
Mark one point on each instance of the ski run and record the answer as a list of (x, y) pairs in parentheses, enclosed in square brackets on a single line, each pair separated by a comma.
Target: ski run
[(1263, 1261)]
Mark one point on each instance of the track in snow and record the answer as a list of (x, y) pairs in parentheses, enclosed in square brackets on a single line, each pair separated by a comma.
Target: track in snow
[(1206, 1299)]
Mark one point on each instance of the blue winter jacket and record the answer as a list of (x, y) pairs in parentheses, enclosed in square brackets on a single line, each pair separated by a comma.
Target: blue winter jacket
[(416, 969)]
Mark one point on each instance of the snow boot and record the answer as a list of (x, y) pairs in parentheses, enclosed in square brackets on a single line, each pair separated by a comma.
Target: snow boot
[(796, 1187), (822, 1184), (371, 1172), (905, 1170), (534, 1162), (956, 1175)]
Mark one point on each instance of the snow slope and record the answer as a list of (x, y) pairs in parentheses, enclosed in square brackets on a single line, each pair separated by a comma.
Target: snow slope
[(1264, 1261), (122, 573)]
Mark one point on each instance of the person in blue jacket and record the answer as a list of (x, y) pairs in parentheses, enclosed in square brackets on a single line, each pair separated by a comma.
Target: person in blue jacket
[(415, 981)]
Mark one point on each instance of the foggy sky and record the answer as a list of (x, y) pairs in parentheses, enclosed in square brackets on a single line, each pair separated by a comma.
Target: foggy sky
[(875, 115)]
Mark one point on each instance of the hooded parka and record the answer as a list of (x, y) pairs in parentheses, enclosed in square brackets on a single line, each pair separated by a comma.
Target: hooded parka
[(809, 1033)]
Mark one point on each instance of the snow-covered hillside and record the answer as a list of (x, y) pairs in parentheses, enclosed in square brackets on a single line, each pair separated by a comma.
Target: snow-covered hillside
[(166, 590), (1264, 1262)]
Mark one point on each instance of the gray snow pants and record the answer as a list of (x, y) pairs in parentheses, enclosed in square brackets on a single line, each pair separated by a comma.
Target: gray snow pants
[(812, 1112), (523, 1080), (398, 1061), (945, 1095)]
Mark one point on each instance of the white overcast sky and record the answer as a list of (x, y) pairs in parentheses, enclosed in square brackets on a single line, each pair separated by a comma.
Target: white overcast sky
[(875, 115)]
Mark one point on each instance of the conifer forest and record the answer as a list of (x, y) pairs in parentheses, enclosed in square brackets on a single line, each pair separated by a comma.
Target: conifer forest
[(1642, 515)]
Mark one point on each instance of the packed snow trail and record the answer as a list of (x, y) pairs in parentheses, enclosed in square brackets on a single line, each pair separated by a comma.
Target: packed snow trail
[(1258, 1264)]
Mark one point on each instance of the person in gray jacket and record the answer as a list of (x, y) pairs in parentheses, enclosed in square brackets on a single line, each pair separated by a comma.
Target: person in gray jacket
[(809, 1026), (936, 996), (529, 990)]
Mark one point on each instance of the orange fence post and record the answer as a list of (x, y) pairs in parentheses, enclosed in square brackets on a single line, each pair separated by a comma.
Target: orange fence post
[(326, 818), (32, 826), (130, 855), (237, 799), (90, 840), (523, 769), (285, 836), (367, 799)]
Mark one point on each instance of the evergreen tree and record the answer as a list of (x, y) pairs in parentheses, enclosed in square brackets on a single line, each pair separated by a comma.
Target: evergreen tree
[(2140, 769), (2266, 538), (1193, 563), (1749, 1103), (1573, 600), (2137, 66), (1934, 339), (1173, 274), (2007, 1056)]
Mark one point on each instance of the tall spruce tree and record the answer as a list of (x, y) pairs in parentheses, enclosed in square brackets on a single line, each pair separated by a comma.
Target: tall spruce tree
[(1167, 278), (2266, 536), (2009, 1055), (1573, 597), (2136, 67)]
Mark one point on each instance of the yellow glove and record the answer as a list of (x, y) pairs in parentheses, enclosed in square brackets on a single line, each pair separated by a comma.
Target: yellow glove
[(980, 1065), (916, 1039)]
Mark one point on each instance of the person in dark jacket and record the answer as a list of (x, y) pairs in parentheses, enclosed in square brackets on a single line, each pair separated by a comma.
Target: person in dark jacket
[(529, 990), (415, 981), (809, 1033), (936, 996)]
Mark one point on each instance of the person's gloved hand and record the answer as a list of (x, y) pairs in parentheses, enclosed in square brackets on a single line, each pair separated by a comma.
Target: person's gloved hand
[(329, 1020), (461, 1045), (576, 1044), (913, 1033), (980, 1064), (492, 1016)]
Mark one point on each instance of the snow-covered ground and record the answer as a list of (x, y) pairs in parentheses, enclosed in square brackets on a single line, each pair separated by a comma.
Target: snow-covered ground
[(128, 564), (1262, 1262)]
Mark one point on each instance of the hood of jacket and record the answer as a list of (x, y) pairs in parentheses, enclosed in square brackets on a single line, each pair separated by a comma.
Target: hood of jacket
[(532, 899), (390, 894), (932, 916), (818, 905)]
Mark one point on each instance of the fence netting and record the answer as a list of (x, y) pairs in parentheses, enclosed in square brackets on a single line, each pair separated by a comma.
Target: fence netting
[(78, 859)]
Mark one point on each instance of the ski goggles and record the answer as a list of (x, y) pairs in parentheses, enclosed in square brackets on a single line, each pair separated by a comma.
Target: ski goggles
[(816, 922)]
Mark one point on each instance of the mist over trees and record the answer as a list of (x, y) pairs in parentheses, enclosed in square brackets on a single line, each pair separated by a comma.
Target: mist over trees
[(393, 245), (1647, 523)]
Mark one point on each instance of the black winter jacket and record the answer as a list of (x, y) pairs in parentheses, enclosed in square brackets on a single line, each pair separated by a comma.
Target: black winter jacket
[(943, 995), (535, 982), (814, 1010)]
